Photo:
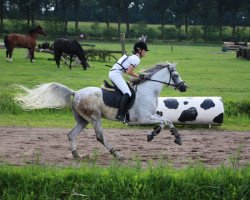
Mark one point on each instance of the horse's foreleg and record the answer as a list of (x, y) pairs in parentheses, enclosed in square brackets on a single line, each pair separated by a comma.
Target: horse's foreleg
[(162, 123), (100, 137), (9, 54), (70, 61), (31, 55)]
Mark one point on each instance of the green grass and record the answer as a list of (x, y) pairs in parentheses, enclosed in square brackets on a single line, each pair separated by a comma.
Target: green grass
[(124, 182), (207, 72)]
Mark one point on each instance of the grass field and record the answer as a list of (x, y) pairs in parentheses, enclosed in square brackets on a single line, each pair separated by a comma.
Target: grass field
[(206, 70), (121, 182)]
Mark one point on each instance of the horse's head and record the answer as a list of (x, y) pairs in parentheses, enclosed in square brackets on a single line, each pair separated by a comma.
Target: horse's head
[(85, 63), (80, 53), (164, 74), (40, 30), (175, 79)]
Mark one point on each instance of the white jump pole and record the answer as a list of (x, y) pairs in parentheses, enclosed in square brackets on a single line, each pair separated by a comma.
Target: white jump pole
[(192, 110)]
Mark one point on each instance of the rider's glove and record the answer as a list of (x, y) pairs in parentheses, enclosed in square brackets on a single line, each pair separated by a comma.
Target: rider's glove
[(142, 76)]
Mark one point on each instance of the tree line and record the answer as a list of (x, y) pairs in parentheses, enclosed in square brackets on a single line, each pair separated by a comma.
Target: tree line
[(180, 13)]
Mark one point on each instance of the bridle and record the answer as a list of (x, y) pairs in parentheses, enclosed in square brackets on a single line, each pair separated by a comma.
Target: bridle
[(175, 85)]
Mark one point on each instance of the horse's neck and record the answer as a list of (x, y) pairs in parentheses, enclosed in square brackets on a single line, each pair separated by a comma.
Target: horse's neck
[(34, 35), (153, 87)]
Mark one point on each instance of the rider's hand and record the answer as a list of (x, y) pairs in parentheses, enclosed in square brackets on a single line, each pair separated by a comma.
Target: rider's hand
[(142, 76)]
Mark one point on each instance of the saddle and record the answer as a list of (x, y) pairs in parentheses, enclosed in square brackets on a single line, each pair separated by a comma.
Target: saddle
[(112, 95)]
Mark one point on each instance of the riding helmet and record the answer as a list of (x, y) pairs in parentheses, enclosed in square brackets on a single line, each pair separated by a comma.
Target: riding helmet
[(140, 45)]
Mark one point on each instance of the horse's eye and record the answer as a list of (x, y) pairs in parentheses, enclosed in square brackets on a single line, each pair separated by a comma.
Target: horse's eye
[(175, 75)]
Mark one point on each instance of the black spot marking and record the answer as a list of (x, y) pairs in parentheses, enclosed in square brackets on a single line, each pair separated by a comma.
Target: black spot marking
[(185, 102), (218, 119), (188, 115), (171, 103), (207, 104)]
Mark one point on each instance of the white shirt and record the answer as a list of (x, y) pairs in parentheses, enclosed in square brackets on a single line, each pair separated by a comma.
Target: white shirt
[(125, 61)]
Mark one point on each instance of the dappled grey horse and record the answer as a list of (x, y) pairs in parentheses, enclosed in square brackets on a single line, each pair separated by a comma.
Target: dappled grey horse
[(88, 105)]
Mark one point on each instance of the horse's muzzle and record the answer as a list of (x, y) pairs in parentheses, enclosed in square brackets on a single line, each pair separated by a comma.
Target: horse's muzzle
[(182, 87)]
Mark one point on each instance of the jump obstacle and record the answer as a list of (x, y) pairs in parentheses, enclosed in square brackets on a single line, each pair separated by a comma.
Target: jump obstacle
[(192, 110)]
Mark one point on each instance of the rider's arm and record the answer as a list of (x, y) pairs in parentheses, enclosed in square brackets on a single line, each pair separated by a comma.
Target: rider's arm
[(131, 72)]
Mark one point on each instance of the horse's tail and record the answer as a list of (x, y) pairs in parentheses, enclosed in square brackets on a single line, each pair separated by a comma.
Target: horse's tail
[(49, 95), (6, 43)]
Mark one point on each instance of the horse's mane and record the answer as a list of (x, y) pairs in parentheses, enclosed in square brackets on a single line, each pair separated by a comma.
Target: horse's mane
[(150, 72), (35, 29), (77, 46)]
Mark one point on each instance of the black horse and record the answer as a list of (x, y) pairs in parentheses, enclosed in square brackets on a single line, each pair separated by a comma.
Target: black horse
[(70, 47)]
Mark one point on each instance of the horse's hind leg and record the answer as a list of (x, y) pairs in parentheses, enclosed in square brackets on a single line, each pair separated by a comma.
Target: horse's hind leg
[(100, 137), (7, 54), (81, 123)]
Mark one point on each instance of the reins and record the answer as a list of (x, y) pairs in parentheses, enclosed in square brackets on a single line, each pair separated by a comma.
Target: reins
[(148, 79), (168, 84)]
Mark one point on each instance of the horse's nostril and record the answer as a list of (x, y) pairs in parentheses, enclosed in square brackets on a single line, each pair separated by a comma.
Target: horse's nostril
[(183, 88)]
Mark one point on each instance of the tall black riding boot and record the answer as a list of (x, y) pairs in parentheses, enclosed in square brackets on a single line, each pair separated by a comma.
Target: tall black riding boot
[(121, 115)]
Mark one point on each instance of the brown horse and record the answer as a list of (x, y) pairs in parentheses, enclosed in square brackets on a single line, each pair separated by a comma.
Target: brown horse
[(25, 41)]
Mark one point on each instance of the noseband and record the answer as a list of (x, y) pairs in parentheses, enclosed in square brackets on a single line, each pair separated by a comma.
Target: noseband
[(175, 85)]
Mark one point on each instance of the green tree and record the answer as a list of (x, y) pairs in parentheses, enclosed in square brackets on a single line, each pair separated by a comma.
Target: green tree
[(221, 9), (2, 12), (162, 6), (206, 13), (234, 7), (76, 4)]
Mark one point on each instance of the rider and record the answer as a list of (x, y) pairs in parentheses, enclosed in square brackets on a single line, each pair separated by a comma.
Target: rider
[(127, 64)]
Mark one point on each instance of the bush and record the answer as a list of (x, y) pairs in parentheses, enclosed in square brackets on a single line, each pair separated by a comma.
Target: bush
[(152, 34), (195, 33), (95, 30), (138, 30), (18, 26), (110, 33), (234, 108), (170, 33), (241, 34), (54, 27), (212, 33)]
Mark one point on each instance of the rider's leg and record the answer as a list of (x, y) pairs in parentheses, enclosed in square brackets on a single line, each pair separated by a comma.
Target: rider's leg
[(117, 79), (123, 107)]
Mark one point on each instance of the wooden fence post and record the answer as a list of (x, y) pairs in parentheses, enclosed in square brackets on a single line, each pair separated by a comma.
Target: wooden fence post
[(122, 40)]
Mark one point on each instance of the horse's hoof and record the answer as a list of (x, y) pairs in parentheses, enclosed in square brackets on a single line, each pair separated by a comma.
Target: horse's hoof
[(121, 158), (150, 137), (75, 155), (178, 141)]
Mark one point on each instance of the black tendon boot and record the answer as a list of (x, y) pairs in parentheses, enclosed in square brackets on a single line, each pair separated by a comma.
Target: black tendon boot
[(121, 115)]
